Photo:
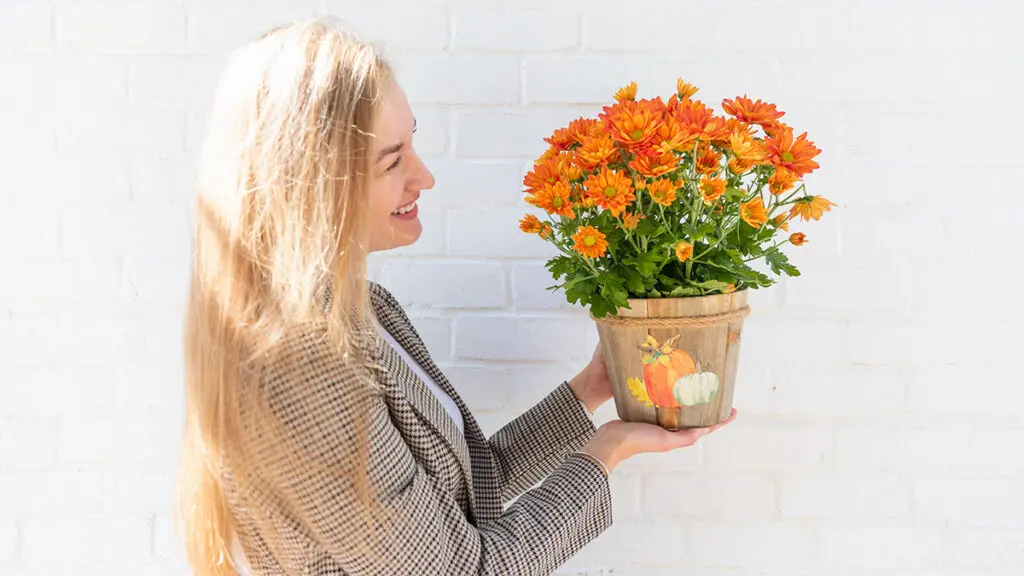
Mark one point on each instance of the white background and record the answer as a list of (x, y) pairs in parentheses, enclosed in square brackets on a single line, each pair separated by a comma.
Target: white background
[(882, 405)]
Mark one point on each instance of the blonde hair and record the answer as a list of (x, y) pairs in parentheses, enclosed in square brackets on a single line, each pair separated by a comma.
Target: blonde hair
[(281, 218)]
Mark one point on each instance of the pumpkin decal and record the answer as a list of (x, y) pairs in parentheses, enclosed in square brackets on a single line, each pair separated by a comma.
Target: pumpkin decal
[(664, 365), (696, 388)]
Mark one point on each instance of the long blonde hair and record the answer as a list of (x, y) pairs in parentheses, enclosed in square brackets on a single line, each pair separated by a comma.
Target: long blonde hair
[(281, 217)]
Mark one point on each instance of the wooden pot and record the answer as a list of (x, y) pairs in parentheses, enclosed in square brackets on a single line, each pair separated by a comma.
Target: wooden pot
[(672, 361)]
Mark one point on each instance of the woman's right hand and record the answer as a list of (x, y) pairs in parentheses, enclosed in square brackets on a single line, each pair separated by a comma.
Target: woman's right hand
[(617, 440)]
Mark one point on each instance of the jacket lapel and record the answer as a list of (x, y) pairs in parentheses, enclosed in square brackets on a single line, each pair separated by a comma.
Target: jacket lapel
[(422, 400)]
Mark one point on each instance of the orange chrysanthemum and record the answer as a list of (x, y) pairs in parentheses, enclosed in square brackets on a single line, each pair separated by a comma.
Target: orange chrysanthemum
[(553, 199), (700, 121), (653, 165), (630, 220), (611, 190), (561, 139), (596, 151), (673, 137), (782, 221), (546, 231), (590, 242), (684, 251), (531, 224), (663, 191), (582, 128), (708, 160), (627, 92), (754, 112), (753, 212), (711, 189), (739, 167), (781, 181), (545, 171), (798, 238), (634, 124), (797, 155), (745, 148), (685, 90), (811, 207)]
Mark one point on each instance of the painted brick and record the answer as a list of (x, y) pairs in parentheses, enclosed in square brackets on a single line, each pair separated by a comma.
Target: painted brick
[(396, 28), (442, 79), (530, 284), (844, 497), (26, 27), (504, 338), (504, 29), (703, 495), (905, 547), (446, 284), (463, 183), (761, 545), (221, 29), (120, 29), (494, 233)]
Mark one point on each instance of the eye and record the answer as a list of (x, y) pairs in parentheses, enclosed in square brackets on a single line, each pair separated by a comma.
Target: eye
[(394, 164)]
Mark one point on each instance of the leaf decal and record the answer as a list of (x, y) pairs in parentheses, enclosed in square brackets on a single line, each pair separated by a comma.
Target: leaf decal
[(636, 386)]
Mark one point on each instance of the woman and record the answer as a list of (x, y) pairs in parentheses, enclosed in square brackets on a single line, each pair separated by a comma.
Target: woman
[(320, 437)]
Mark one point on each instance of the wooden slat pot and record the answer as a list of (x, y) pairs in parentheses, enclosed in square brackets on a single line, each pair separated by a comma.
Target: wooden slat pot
[(692, 385)]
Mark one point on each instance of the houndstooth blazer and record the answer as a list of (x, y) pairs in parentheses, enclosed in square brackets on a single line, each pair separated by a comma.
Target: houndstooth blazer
[(448, 493)]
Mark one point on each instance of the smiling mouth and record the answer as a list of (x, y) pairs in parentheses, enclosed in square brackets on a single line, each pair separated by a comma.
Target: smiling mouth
[(405, 209)]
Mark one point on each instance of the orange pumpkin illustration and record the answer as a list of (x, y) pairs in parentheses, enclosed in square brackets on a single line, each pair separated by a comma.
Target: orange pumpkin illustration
[(663, 366)]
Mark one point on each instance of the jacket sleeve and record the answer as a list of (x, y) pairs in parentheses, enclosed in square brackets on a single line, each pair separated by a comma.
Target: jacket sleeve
[(421, 529), (533, 445)]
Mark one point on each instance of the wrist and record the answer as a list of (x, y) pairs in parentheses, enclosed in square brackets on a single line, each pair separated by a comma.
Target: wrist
[(606, 446), (583, 387)]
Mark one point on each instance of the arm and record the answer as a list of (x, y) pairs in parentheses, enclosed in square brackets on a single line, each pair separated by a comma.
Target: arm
[(528, 448), (423, 530)]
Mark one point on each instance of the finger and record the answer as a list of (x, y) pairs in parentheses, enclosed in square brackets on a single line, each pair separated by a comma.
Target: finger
[(732, 416)]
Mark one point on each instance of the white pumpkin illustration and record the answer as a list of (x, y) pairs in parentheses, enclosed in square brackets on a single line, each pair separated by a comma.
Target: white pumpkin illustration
[(696, 388)]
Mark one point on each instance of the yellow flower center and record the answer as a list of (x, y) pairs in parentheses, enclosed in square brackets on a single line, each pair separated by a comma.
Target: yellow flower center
[(637, 134), (609, 191), (589, 241), (787, 156), (556, 201)]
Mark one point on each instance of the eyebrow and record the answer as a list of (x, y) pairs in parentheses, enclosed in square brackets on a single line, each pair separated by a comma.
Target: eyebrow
[(394, 147)]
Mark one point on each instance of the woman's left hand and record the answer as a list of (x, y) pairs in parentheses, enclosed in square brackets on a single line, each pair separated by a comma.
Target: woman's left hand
[(592, 385)]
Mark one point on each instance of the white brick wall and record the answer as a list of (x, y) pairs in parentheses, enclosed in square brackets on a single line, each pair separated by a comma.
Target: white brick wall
[(882, 414)]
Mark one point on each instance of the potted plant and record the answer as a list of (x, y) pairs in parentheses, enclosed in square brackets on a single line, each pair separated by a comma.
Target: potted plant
[(663, 211)]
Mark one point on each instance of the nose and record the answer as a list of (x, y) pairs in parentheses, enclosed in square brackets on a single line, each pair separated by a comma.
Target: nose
[(424, 179)]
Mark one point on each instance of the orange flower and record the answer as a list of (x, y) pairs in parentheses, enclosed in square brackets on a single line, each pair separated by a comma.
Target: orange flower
[(610, 190), (546, 231), (561, 139), (531, 224), (545, 171), (662, 191), (782, 221), (753, 112), (685, 90), (590, 242), (738, 167), (797, 156), (652, 164), (745, 148), (634, 124), (711, 189), (781, 181), (753, 212), (798, 238), (627, 92), (684, 251), (673, 137), (699, 120), (630, 220), (582, 128), (595, 151), (811, 208), (554, 199), (729, 290), (708, 160)]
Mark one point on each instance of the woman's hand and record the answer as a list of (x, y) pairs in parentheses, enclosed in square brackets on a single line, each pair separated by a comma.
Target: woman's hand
[(592, 385), (617, 440)]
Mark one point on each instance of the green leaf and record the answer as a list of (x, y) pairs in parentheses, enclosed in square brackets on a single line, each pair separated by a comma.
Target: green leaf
[(634, 280), (713, 285), (779, 264), (649, 263), (680, 291), (733, 194), (559, 266)]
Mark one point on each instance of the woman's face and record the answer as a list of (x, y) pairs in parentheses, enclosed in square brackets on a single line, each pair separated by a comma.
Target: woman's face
[(398, 176)]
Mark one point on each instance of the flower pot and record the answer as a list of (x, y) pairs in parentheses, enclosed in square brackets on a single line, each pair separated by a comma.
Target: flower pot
[(672, 361)]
